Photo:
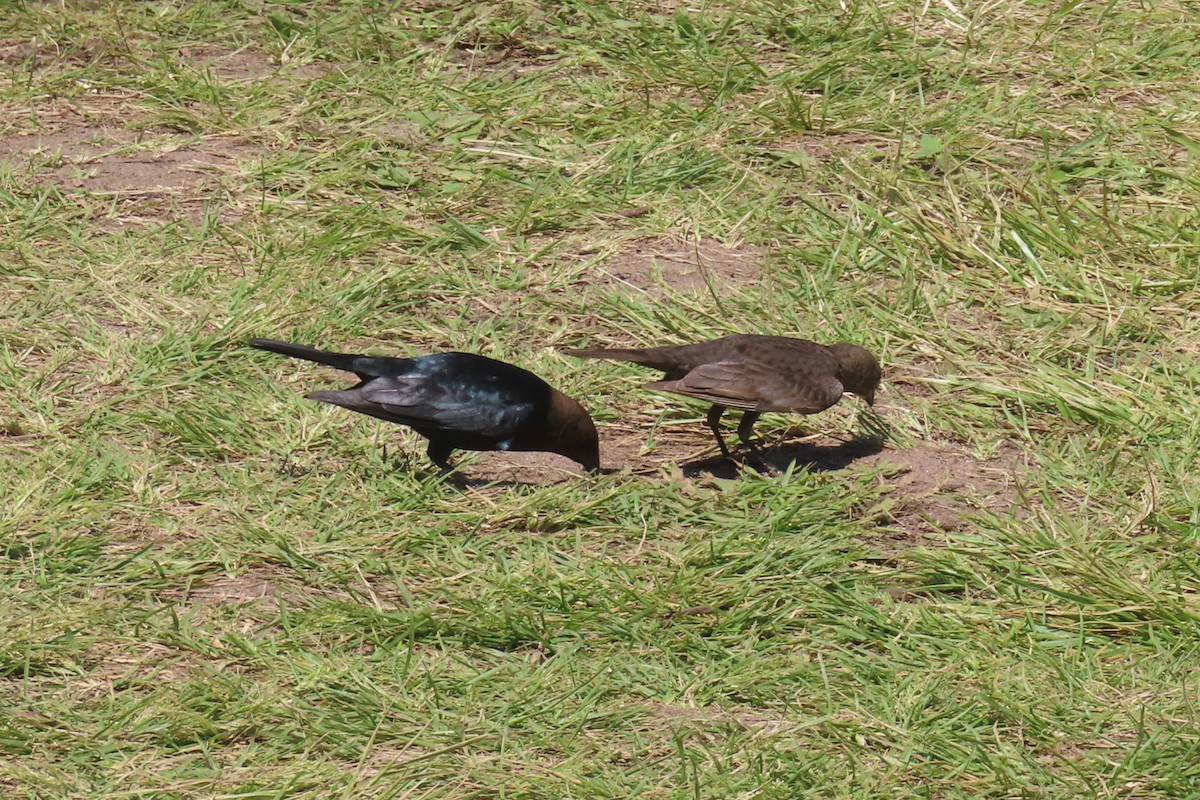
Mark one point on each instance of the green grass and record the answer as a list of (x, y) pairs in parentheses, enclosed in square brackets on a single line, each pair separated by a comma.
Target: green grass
[(214, 588)]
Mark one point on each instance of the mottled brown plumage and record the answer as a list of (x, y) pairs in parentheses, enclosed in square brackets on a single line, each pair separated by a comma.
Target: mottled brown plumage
[(756, 374)]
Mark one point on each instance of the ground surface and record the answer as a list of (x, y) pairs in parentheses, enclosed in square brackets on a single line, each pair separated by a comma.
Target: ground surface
[(214, 588)]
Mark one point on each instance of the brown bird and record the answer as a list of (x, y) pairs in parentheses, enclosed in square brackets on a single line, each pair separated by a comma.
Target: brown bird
[(756, 374), (459, 401)]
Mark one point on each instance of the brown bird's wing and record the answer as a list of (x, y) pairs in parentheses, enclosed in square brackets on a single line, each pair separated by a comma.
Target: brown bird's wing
[(755, 386)]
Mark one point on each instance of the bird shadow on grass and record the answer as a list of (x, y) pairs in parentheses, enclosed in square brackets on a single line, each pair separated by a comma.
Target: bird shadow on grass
[(782, 457), (872, 436)]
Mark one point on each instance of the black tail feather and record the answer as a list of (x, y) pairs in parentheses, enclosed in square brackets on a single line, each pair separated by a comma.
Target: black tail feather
[(344, 361)]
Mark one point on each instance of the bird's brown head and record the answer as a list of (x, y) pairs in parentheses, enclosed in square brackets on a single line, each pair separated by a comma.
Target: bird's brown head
[(858, 370), (569, 431)]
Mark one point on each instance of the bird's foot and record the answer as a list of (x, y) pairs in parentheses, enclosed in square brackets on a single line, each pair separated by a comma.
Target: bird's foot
[(756, 458), (758, 462)]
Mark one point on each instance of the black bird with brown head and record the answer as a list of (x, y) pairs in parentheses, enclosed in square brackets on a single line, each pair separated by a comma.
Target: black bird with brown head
[(459, 401)]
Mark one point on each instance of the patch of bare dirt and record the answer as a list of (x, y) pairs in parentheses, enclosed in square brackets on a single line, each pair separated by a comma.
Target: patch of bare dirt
[(243, 64), (758, 719), (931, 21), (143, 173), (246, 64), (513, 59), (72, 142), (153, 662), (244, 588), (119, 161), (936, 488), (155, 174), (106, 110), (27, 55), (1134, 97), (825, 147), (646, 450), (259, 587), (684, 266), (623, 445), (514, 469)]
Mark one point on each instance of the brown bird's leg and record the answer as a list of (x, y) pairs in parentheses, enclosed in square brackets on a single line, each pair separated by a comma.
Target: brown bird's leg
[(439, 454), (714, 423), (745, 431)]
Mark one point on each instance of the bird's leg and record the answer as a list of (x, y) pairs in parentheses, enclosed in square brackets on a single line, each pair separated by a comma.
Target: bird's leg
[(439, 454), (745, 431), (714, 424), (746, 434)]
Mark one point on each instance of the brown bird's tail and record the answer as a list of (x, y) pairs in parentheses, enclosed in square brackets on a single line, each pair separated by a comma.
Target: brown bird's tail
[(343, 361), (600, 352), (647, 358)]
